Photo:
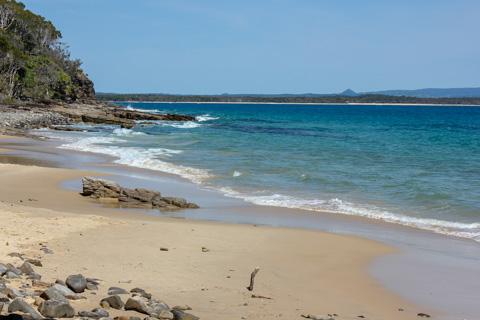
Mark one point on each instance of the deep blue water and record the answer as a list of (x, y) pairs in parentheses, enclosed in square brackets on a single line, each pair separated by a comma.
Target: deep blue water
[(417, 165)]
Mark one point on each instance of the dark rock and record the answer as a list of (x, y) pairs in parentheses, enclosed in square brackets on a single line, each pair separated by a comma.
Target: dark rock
[(61, 282), (56, 309), (19, 305), (77, 283), (93, 281), (141, 292), (53, 293), (3, 269), (423, 315), (116, 290), (99, 188), (114, 302), (96, 313), (181, 315)]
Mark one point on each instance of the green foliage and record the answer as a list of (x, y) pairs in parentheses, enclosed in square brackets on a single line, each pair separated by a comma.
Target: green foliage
[(34, 64)]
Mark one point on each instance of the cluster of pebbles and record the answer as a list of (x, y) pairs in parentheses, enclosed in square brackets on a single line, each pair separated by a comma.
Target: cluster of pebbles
[(24, 119), (24, 296)]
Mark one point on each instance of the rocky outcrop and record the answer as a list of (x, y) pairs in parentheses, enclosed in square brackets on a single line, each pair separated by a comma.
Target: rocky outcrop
[(111, 192)]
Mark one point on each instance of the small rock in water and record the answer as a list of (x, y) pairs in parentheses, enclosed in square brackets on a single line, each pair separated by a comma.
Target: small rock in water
[(77, 283), (114, 302), (56, 309)]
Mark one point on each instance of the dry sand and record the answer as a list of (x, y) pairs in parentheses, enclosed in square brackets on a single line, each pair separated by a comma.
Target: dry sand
[(302, 271)]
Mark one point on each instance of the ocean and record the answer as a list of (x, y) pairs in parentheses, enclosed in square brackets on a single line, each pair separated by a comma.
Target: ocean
[(417, 166)]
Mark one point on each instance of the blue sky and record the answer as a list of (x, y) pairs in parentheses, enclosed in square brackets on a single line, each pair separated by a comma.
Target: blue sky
[(270, 46)]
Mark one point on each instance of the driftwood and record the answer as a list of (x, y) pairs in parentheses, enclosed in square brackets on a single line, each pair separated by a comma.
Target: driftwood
[(252, 279)]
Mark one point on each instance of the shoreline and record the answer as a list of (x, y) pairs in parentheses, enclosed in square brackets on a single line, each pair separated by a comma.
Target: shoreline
[(339, 284), (306, 103), (405, 241)]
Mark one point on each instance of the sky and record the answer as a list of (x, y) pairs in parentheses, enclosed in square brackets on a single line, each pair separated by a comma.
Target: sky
[(270, 46)]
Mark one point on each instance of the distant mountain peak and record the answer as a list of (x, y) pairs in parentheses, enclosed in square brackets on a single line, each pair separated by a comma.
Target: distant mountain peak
[(349, 93)]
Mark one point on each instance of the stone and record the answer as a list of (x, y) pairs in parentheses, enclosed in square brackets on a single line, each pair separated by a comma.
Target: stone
[(181, 315), (11, 275), (56, 309), (139, 304), (12, 293), (13, 269), (19, 305), (141, 292), (100, 188), (53, 293), (96, 313), (93, 281), (61, 282), (27, 268), (35, 262), (114, 302), (182, 308), (63, 289), (116, 290), (3, 269), (77, 283), (153, 308), (423, 315)]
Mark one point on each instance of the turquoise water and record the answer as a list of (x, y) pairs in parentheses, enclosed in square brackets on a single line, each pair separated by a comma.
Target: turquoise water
[(417, 166)]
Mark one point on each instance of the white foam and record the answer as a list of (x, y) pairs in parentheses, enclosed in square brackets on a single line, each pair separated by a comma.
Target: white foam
[(123, 132), (205, 117), (457, 229), (236, 174), (138, 157), (129, 107)]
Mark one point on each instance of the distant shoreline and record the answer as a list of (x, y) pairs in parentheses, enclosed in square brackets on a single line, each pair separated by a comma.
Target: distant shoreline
[(305, 103)]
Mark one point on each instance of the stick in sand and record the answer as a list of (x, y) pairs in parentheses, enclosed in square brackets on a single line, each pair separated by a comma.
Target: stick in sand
[(252, 279)]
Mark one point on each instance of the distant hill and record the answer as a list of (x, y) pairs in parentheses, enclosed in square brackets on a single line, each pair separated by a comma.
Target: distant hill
[(432, 93)]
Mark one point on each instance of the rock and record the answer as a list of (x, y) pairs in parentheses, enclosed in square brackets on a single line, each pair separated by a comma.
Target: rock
[(13, 269), (27, 268), (53, 293), (12, 293), (93, 281), (96, 313), (181, 315), (114, 302), (138, 304), (56, 309), (35, 262), (19, 305), (141, 292), (77, 283), (11, 275), (34, 276), (116, 290), (423, 315), (63, 289), (100, 188), (205, 249), (317, 317), (3, 269), (153, 308)]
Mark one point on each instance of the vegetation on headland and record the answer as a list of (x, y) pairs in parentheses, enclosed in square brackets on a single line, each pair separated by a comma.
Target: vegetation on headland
[(34, 63), (367, 98)]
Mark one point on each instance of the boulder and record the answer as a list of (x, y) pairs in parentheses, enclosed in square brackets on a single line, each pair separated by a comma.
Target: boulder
[(114, 302), (77, 283), (63, 289), (100, 188), (181, 315), (20, 305), (56, 309), (53, 293), (153, 308)]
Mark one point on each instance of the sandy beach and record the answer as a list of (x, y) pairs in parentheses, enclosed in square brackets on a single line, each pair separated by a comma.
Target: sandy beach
[(303, 272)]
